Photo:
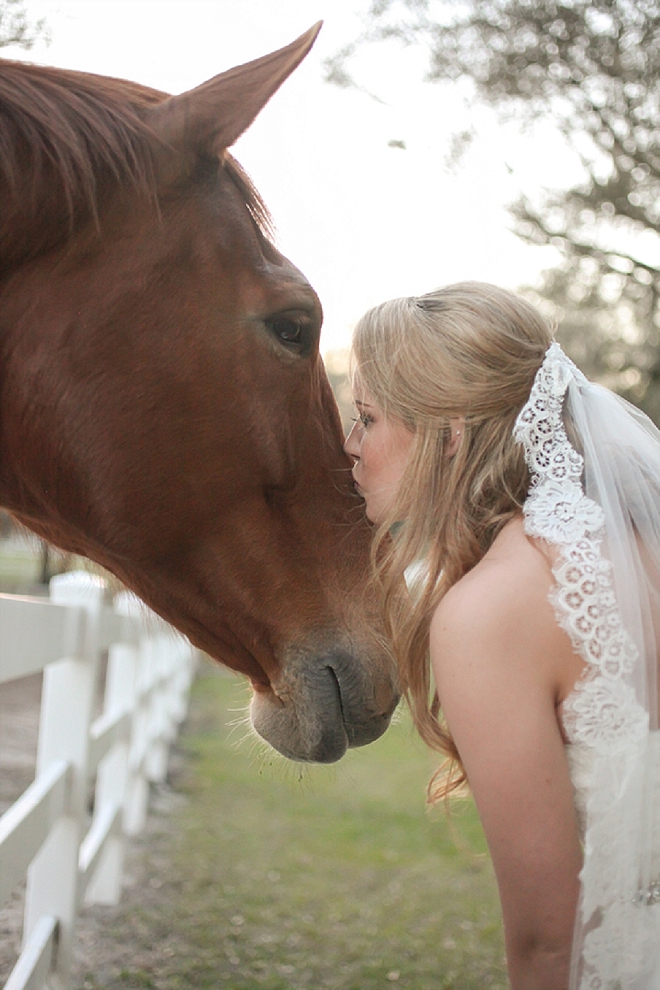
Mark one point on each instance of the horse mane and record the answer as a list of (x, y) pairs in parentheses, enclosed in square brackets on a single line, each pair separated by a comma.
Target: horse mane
[(66, 139)]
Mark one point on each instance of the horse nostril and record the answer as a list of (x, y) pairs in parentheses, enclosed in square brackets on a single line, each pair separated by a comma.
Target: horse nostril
[(337, 686)]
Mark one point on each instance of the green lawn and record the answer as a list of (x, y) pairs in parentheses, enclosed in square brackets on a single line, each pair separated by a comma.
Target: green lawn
[(281, 878), (18, 564)]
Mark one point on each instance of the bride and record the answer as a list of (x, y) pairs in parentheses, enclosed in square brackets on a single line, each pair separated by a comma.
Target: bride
[(517, 550)]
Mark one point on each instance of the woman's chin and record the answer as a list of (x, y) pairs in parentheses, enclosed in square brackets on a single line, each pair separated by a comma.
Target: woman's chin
[(374, 509), (372, 514)]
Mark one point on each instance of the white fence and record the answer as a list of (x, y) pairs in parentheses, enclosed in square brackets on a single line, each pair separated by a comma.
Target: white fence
[(69, 854)]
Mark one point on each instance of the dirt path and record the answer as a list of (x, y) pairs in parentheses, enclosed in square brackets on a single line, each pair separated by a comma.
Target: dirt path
[(19, 723), (110, 939)]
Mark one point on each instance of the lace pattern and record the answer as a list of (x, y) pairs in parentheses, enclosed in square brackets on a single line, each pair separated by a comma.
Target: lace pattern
[(615, 939), (602, 711)]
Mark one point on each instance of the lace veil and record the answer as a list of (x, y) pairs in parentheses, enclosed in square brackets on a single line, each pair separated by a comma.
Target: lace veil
[(594, 462)]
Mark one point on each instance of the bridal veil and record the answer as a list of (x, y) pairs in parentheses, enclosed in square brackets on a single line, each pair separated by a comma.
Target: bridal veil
[(594, 462)]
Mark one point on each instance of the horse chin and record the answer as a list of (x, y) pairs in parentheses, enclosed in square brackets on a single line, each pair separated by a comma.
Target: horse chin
[(320, 706)]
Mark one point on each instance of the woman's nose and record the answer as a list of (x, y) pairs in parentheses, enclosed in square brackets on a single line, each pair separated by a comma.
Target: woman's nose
[(351, 443)]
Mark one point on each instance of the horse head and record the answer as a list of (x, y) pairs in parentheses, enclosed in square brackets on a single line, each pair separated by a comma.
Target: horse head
[(163, 406)]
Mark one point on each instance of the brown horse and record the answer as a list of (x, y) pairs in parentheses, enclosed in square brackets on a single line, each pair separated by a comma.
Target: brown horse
[(163, 406)]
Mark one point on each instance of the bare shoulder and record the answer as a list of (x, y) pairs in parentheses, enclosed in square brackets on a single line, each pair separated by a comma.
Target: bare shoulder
[(514, 575), (501, 607)]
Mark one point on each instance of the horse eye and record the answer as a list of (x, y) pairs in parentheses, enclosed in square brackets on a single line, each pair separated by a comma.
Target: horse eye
[(287, 330), (290, 328)]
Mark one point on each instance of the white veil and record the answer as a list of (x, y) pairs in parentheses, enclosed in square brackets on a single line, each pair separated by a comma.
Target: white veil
[(596, 498)]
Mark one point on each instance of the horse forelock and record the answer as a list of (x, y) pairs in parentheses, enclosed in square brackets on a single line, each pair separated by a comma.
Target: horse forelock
[(251, 196), (66, 136)]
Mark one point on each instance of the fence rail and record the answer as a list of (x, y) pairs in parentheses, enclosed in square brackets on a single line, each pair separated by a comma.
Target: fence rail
[(67, 854)]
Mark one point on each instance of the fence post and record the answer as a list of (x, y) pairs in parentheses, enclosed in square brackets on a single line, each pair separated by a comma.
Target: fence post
[(68, 687), (164, 670), (159, 743), (137, 786), (112, 776)]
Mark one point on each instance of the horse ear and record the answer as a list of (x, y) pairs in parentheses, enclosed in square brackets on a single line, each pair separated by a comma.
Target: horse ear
[(214, 115)]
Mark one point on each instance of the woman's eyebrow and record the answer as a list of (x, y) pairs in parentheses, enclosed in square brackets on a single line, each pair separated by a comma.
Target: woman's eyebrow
[(361, 404)]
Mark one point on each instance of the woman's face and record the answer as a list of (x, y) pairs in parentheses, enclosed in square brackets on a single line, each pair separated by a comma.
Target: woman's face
[(381, 448)]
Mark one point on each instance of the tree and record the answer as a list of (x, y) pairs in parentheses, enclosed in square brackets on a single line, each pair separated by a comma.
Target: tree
[(593, 68), (15, 26)]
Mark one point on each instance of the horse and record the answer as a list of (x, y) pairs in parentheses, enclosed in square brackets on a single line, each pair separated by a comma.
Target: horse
[(164, 410)]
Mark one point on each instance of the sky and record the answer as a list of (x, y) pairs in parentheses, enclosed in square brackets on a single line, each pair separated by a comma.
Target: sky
[(365, 220)]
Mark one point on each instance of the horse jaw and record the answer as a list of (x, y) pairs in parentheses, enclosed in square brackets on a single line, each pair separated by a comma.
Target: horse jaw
[(211, 117)]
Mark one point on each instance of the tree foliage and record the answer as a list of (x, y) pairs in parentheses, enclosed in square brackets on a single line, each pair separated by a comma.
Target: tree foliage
[(16, 28), (593, 68)]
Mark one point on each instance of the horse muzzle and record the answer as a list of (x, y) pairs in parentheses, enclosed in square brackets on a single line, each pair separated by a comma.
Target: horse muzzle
[(322, 704)]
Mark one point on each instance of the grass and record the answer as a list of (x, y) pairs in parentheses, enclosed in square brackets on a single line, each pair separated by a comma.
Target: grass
[(281, 878), (19, 564)]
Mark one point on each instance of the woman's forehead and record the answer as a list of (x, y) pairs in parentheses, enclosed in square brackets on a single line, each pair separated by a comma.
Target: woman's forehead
[(361, 393)]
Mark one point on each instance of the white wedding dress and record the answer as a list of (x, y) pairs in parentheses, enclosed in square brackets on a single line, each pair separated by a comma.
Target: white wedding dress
[(599, 507), (623, 948)]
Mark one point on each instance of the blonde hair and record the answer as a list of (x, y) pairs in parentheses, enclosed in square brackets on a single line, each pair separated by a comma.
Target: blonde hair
[(469, 350)]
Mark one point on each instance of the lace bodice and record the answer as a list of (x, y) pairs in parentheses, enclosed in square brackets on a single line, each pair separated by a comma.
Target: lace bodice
[(581, 758), (580, 764)]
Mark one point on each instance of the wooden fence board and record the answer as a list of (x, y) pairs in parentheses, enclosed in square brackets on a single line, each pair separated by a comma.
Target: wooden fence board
[(31, 970), (34, 633), (24, 827)]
